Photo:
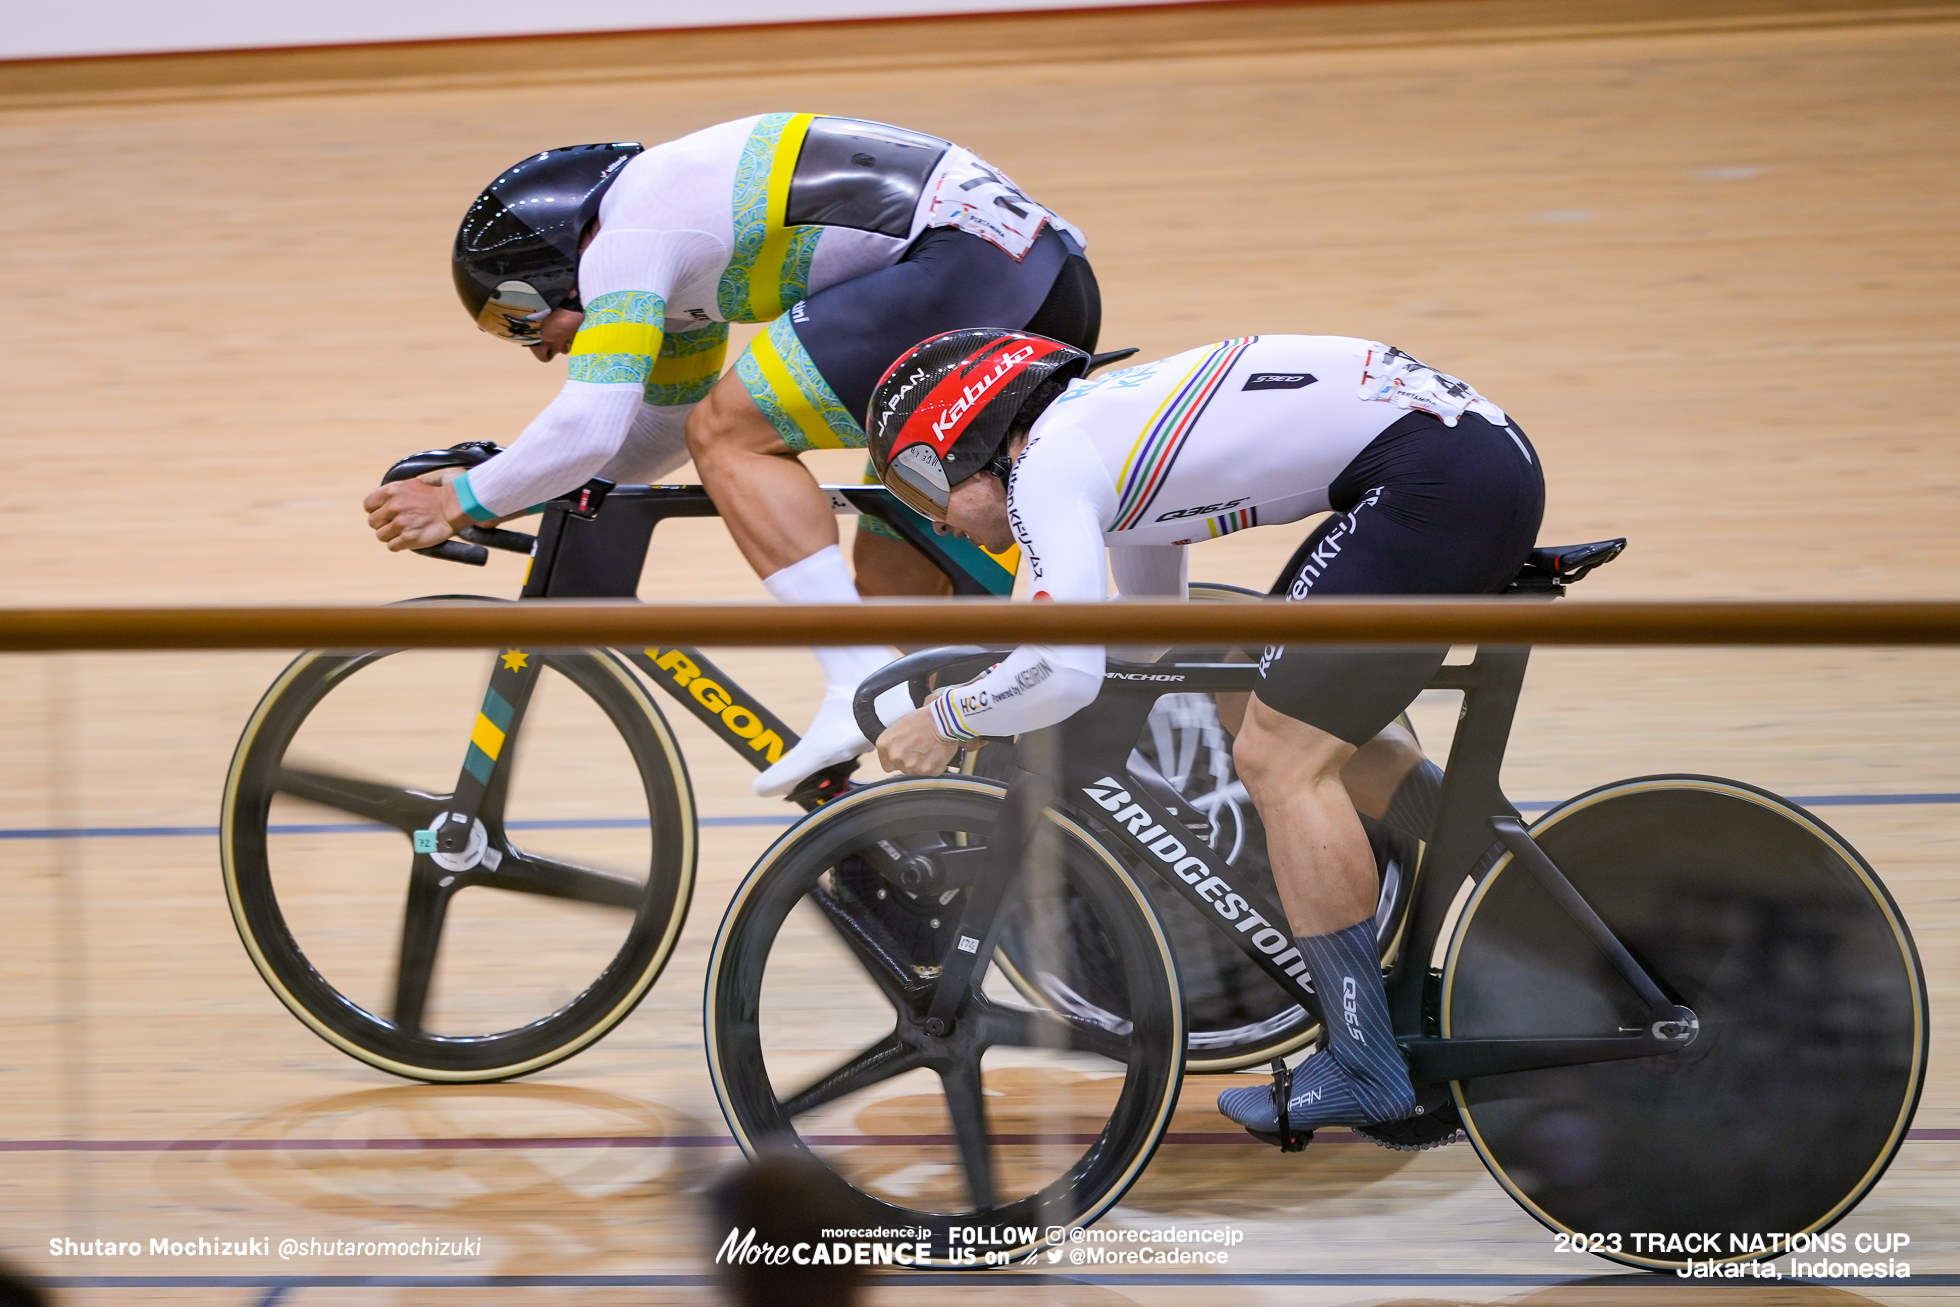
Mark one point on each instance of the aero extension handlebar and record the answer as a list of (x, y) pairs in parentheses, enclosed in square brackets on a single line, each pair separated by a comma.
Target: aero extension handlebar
[(963, 662), (918, 668)]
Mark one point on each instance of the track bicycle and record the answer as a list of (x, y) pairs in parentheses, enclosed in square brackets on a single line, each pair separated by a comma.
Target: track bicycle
[(571, 806), (558, 795), (1672, 1004)]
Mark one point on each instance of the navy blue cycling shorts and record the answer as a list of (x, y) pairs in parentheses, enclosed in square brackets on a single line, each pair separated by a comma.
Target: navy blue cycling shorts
[(1425, 509), (854, 331)]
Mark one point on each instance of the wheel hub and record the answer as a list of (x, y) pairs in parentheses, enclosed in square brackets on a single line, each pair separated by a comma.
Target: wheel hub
[(1680, 1028), (474, 847)]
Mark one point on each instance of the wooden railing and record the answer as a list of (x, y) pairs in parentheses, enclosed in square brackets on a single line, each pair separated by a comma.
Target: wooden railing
[(994, 624)]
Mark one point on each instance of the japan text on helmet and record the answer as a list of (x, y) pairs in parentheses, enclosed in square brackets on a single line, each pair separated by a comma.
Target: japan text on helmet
[(945, 408), (516, 255)]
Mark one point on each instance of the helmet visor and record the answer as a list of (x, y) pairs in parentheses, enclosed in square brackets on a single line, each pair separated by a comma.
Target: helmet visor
[(919, 480), (513, 312)]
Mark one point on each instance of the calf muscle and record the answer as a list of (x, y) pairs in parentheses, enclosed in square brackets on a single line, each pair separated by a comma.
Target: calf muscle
[(1322, 864)]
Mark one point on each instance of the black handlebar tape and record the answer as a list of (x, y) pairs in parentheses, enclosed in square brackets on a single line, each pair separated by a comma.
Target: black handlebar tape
[(468, 454), (455, 551), (914, 667), (516, 542)]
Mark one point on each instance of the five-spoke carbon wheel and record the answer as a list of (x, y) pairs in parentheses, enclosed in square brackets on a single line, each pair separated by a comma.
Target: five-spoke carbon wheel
[(578, 868), (1022, 1114), (1792, 1099)]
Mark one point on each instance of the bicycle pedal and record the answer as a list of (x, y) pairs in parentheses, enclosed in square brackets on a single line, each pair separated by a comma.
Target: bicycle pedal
[(819, 788), (1294, 1141), (1286, 1137)]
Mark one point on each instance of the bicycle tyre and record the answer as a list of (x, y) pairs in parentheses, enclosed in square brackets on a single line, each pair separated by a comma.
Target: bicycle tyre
[(797, 864), (659, 906), (1799, 1088)]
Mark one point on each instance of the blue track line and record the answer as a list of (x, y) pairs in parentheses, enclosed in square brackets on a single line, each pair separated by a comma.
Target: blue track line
[(630, 823), (352, 828)]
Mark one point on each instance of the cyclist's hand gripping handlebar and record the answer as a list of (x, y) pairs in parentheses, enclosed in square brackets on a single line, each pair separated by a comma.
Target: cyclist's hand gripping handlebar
[(917, 668), (481, 539)]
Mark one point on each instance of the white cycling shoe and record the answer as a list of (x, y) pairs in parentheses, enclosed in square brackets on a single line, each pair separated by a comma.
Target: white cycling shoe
[(833, 737)]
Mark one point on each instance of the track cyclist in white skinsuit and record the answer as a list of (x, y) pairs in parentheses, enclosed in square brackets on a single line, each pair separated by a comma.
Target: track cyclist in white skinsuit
[(853, 240), (1434, 490)]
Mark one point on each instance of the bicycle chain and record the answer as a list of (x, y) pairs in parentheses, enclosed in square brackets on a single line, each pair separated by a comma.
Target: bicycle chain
[(1418, 1134)]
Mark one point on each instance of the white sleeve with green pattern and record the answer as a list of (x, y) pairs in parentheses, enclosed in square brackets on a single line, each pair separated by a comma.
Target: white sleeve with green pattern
[(611, 373), (578, 433)]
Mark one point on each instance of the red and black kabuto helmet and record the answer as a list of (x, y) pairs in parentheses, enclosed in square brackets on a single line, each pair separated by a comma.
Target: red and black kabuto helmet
[(944, 409)]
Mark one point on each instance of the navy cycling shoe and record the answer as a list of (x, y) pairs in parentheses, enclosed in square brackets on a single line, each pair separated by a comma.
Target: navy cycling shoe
[(1321, 1092), (1322, 1095)]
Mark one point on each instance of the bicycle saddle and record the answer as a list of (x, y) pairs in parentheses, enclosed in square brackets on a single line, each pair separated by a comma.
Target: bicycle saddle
[(468, 454), (1550, 568), (1104, 360)]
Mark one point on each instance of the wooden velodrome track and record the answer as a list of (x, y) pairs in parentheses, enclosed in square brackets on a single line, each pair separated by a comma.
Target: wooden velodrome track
[(1703, 250)]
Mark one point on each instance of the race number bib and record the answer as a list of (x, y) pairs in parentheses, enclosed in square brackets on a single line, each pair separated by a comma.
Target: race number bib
[(1392, 377), (970, 194)]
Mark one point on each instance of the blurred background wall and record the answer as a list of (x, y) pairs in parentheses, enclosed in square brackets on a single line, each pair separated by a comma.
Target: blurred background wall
[(140, 26)]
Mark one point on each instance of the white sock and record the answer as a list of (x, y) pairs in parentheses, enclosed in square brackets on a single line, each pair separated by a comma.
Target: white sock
[(833, 736), (824, 578)]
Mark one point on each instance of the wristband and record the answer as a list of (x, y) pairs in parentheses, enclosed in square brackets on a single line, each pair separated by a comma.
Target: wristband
[(467, 498), (946, 718)]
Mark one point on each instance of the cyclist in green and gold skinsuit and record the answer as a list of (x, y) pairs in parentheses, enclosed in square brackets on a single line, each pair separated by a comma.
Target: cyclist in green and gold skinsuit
[(852, 240)]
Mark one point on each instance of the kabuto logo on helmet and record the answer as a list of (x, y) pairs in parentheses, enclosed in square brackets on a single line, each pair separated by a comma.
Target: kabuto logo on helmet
[(948, 424), (953, 399)]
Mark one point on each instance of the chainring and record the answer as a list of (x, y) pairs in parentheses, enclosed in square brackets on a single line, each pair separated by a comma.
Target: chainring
[(1418, 1133)]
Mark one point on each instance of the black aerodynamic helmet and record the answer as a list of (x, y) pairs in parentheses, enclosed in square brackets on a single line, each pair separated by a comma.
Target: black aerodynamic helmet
[(517, 251), (943, 411)]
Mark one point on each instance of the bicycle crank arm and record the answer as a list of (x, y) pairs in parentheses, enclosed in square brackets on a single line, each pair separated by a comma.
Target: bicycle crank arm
[(1435, 1060)]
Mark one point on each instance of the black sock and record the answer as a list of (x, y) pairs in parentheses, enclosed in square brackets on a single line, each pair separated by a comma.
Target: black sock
[(1412, 808)]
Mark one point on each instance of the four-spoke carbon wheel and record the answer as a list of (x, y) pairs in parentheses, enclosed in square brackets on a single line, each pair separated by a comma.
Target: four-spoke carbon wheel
[(578, 868), (1023, 1114), (1798, 1089)]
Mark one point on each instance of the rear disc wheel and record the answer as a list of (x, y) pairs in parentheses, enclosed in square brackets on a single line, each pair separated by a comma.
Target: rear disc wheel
[(1798, 1090)]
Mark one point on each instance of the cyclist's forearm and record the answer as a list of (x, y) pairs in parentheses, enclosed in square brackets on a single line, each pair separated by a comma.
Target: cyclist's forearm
[(578, 433), (1035, 686)]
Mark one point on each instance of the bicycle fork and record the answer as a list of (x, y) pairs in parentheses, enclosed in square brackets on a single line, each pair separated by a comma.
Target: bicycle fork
[(459, 841)]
